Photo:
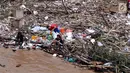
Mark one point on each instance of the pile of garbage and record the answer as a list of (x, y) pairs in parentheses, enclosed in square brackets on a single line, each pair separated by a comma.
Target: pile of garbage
[(92, 37), (89, 47)]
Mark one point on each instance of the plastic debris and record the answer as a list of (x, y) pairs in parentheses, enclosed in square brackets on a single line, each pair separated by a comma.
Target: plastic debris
[(54, 55), (90, 30), (128, 15), (88, 37), (93, 41), (36, 6), (61, 56), (126, 49), (35, 12), (108, 64), (69, 35), (46, 17), (38, 28), (128, 23), (70, 59), (99, 44), (23, 7), (75, 9)]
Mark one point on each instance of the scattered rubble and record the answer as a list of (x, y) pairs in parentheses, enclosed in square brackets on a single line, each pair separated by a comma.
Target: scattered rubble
[(92, 33)]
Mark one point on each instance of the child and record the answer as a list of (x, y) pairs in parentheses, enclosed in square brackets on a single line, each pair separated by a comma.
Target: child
[(19, 38)]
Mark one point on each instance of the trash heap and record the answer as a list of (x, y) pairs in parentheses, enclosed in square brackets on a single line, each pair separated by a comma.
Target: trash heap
[(93, 38)]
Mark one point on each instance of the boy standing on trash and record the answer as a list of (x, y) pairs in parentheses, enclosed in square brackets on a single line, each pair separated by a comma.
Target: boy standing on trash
[(19, 38)]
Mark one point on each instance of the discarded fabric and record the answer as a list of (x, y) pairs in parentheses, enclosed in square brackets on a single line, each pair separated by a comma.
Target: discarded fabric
[(38, 28)]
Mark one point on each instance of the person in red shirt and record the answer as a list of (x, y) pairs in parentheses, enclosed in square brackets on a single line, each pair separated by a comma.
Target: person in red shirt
[(53, 27)]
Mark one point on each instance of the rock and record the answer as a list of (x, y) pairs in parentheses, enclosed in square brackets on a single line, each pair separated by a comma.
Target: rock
[(18, 65), (2, 65), (13, 50)]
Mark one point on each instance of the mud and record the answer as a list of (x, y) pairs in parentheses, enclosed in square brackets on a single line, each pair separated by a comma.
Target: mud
[(34, 62)]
